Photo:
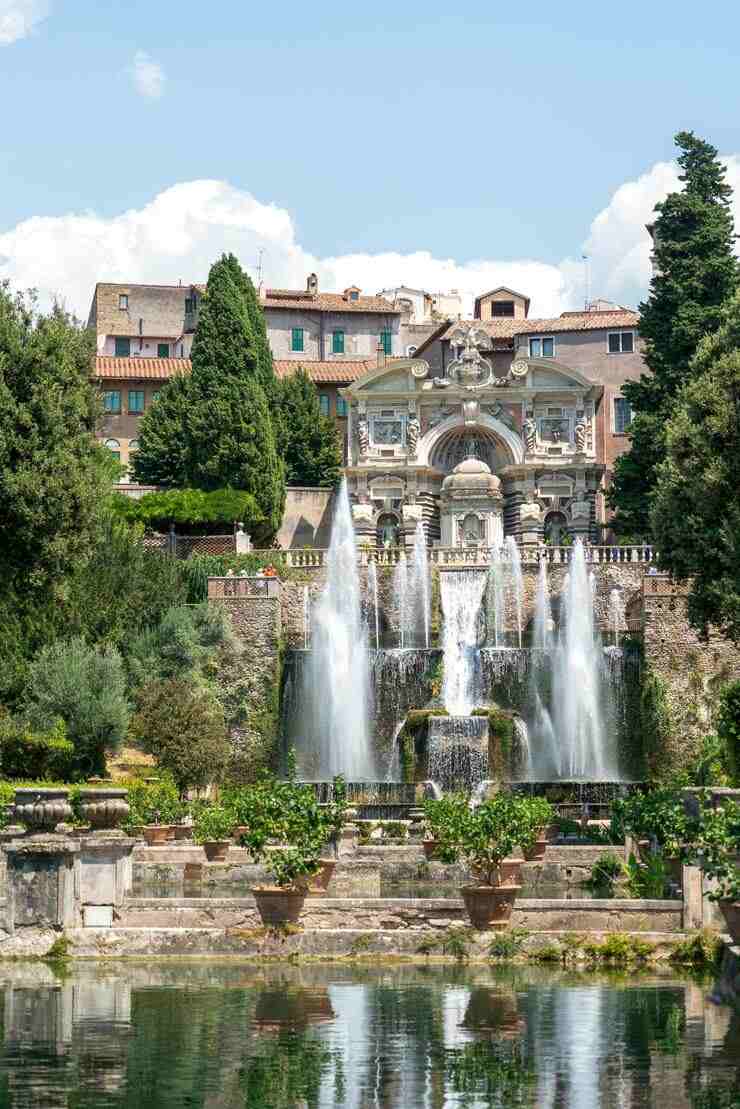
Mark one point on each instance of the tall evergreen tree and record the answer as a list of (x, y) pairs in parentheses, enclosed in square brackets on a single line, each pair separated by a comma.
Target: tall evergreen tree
[(695, 271), (696, 509), (214, 429), (312, 452)]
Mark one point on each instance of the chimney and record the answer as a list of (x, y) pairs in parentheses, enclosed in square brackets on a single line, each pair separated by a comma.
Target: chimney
[(312, 284)]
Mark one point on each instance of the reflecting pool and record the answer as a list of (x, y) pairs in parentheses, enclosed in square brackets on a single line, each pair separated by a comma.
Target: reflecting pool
[(216, 1035)]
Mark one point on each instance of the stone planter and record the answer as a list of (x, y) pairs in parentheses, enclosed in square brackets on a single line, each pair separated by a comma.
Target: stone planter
[(216, 850), (279, 906), (489, 906), (731, 913), (537, 850), (42, 809), (155, 834), (183, 833), (320, 882), (430, 848), (104, 809)]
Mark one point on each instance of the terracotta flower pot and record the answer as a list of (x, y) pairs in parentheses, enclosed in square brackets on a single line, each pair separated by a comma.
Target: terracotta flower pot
[(279, 905), (537, 850), (239, 831), (320, 882), (183, 833), (155, 834), (430, 847), (731, 913), (170, 833), (510, 872), (489, 906), (216, 850)]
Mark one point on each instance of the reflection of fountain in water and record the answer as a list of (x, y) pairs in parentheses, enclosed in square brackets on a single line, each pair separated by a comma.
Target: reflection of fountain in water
[(336, 693)]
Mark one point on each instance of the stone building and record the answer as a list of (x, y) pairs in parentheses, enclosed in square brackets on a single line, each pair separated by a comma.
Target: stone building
[(502, 426)]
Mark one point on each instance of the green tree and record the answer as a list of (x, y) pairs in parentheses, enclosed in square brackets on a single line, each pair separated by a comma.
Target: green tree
[(311, 450), (728, 727), (85, 687), (696, 511), (182, 725), (217, 432), (53, 475), (695, 271)]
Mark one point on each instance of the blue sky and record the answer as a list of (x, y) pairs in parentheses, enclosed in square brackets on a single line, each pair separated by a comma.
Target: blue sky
[(460, 131)]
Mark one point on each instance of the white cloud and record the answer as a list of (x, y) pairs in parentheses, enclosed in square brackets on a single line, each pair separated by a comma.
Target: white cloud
[(19, 17), (148, 76), (184, 228)]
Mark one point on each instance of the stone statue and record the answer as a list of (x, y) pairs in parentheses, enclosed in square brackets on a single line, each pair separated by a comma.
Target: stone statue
[(363, 435), (581, 433), (412, 433), (529, 429)]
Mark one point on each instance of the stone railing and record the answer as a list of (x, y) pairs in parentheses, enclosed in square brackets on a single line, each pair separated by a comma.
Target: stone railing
[(466, 556), (243, 586)]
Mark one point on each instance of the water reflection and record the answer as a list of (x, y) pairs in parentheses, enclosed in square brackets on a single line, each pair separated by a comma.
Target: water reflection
[(220, 1035)]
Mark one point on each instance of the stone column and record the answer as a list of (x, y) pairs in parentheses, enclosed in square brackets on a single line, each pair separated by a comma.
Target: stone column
[(105, 876), (42, 882), (693, 897)]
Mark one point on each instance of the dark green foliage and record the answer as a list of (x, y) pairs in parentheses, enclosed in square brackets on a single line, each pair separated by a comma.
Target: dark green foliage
[(695, 272), (191, 510), (85, 687), (25, 753), (696, 511), (655, 724), (728, 726), (311, 448), (182, 725), (184, 644), (213, 430), (155, 802)]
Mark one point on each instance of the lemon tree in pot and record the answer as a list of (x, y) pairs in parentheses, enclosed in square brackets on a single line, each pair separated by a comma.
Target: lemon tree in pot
[(537, 814), (444, 818), (488, 835), (212, 829), (716, 848)]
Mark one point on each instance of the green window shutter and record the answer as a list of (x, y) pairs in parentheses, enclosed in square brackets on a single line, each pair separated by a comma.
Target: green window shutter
[(136, 400), (548, 348), (112, 401), (324, 402), (163, 350), (123, 347), (386, 341), (341, 406), (296, 341), (337, 345)]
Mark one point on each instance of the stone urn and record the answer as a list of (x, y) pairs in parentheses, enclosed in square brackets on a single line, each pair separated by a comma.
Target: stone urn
[(216, 850), (491, 1012), (489, 906), (105, 810), (42, 809), (320, 881), (731, 913), (278, 905)]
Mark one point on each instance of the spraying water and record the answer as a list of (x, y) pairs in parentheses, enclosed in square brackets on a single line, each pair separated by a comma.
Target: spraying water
[(461, 594), (543, 624), (400, 593), (616, 614), (419, 585), (517, 582), (306, 617), (372, 573), (496, 598), (337, 689)]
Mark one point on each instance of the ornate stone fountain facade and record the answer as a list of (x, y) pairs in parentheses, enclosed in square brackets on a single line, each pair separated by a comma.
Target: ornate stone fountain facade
[(532, 428)]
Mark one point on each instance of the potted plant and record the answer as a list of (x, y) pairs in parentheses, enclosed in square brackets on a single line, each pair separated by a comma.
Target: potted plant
[(489, 834), (540, 814), (213, 827), (444, 818)]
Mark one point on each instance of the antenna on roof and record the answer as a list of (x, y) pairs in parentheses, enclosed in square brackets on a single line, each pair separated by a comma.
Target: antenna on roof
[(586, 282), (260, 253)]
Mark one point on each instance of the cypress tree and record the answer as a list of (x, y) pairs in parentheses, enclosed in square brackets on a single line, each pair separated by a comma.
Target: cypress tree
[(312, 452), (695, 271), (214, 429)]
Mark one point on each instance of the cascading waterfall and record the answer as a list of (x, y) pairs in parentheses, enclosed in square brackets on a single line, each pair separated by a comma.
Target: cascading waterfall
[(372, 576), (517, 582), (495, 602), (306, 617), (461, 593), (336, 692), (400, 594), (543, 623), (616, 614), (419, 589), (458, 751), (578, 710)]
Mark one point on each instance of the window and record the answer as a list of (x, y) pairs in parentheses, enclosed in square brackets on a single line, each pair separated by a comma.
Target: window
[(542, 348), (386, 341), (621, 342), (114, 447), (341, 406), (337, 342), (324, 403), (502, 308), (296, 339), (622, 415), (133, 446), (112, 401), (189, 305), (135, 401), (354, 294), (123, 302), (123, 347), (163, 350)]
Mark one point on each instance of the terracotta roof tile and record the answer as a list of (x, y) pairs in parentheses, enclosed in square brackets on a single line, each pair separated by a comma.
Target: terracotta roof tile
[(507, 328), (327, 373), (145, 369), (326, 302)]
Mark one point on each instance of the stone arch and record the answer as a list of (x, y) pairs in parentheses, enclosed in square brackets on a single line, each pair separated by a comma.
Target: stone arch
[(486, 425)]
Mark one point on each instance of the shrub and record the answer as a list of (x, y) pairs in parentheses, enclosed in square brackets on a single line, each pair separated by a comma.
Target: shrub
[(213, 823), (183, 645), (154, 802), (605, 872), (25, 753), (183, 727), (728, 726), (85, 687)]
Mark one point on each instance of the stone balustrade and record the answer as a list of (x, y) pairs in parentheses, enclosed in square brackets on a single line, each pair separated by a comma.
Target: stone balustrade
[(531, 554)]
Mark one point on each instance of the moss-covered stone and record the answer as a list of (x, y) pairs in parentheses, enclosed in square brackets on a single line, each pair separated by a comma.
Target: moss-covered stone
[(412, 741), (500, 740)]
